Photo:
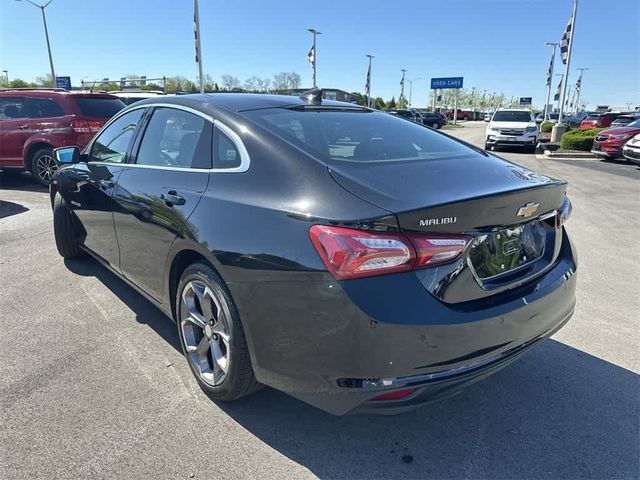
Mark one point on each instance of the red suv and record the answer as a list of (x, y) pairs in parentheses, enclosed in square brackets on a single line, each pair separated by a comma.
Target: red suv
[(609, 142), (35, 121), (599, 120)]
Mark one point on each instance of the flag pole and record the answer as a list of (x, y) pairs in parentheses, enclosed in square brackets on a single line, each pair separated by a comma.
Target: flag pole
[(550, 78), (579, 88), (314, 32), (196, 27), (369, 81), (567, 65)]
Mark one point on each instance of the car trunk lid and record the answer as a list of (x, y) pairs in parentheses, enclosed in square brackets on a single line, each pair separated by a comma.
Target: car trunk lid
[(507, 209)]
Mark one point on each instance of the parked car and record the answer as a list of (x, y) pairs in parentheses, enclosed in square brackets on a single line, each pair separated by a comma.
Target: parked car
[(132, 96), (631, 150), (626, 119), (462, 114), (432, 119), (510, 126), (410, 115), (487, 117), (354, 260), (599, 120), (35, 121), (609, 142)]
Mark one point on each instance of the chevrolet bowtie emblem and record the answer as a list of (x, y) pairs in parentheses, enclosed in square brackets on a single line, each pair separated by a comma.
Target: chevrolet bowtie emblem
[(527, 210)]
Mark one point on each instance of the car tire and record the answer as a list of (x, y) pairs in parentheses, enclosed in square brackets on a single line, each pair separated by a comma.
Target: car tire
[(466, 117), (43, 165), (487, 147), (65, 229), (435, 125), (212, 336)]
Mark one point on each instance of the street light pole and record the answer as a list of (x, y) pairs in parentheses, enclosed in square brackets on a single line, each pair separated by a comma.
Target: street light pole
[(404, 72), (411, 89), (579, 89), (550, 77), (369, 81), (46, 34), (315, 33)]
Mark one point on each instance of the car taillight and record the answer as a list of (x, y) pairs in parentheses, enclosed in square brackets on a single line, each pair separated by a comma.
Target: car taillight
[(435, 250), (350, 253), (564, 213), (86, 126)]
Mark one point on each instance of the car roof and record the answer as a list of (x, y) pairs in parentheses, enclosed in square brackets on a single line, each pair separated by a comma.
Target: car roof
[(513, 110), (238, 102), (47, 92)]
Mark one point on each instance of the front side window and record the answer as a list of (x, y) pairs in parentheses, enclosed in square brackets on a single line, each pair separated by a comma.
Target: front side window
[(11, 108), (175, 138), (357, 135), (112, 143), (37, 107)]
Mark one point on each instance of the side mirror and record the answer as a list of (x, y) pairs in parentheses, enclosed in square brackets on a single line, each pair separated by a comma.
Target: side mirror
[(67, 155)]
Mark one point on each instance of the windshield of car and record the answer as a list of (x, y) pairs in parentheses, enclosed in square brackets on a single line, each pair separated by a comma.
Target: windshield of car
[(635, 123), (97, 107), (357, 135), (512, 116)]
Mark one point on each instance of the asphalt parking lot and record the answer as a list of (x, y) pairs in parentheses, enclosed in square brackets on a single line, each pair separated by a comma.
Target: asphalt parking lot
[(94, 385)]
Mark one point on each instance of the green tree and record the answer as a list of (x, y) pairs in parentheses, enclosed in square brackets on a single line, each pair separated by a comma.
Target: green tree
[(402, 103), (391, 104), (378, 103)]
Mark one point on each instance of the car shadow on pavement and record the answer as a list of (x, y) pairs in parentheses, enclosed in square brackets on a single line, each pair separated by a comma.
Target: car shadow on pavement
[(146, 313), (557, 413), (8, 209), (24, 181)]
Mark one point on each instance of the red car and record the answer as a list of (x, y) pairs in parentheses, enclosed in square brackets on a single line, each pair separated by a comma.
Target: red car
[(35, 121), (462, 114), (609, 142), (599, 120)]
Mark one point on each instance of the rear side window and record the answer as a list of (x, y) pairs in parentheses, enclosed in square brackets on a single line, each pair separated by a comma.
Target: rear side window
[(227, 154), (175, 138), (357, 135), (37, 107), (11, 108), (112, 143), (99, 107)]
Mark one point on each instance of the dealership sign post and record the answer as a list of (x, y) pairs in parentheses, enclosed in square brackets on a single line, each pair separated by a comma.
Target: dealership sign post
[(448, 82)]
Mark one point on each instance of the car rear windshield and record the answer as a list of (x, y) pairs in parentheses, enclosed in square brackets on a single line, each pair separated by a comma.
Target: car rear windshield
[(635, 123), (343, 135), (507, 116), (99, 107), (594, 116)]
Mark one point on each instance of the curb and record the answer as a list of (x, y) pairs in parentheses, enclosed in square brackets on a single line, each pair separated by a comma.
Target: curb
[(543, 153)]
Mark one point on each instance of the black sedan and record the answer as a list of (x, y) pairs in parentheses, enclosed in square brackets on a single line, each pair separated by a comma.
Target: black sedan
[(354, 260)]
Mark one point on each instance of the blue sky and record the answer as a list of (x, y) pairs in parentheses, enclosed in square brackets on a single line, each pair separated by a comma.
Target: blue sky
[(497, 45)]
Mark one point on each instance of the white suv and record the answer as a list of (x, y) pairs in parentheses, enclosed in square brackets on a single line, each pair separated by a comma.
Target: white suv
[(510, 126)]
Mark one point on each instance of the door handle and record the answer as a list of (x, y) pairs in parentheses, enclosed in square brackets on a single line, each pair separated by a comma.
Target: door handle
[(172, 198), (104, 184)]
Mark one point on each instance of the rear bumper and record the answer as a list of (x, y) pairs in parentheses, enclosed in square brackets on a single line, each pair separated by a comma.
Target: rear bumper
[(337, 346)]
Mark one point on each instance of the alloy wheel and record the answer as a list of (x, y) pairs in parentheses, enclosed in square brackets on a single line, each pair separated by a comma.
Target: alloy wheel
[(205, 332), (46, 166)]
